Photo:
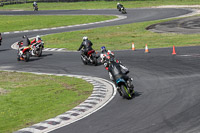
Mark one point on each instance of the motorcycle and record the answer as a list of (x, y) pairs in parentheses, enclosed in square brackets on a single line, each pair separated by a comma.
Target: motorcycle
[(124, 88), (23, 53), (122, 81), (36, 49), (91, 57), (35, 8), (123, 10)]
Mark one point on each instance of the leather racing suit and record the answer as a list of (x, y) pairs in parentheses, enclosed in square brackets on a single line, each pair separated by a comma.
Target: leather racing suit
[(87, 46)]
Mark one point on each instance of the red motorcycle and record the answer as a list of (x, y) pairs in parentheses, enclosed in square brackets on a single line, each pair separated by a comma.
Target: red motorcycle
[(23, 53), (91, 57)]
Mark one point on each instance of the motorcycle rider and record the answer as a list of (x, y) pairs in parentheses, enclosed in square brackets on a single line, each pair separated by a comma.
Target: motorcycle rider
[(115, 71), (35, 42), (34, 4), (119, 6), (0, 39), (114, 67), (86, 45), (24, 42), (105, 57)]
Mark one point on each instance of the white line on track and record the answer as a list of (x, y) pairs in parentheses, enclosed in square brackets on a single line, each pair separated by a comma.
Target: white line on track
[(76, 113)]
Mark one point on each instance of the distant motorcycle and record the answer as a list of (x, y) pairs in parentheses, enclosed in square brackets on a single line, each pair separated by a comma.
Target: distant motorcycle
[(35, 8), (36, 49), (122, 81), (91, 57), (23, 53), (123, 10)]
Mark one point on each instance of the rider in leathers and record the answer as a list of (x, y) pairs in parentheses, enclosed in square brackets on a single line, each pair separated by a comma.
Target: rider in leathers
[(115, 69), (35, 41), (119, 6), (86, 45), (24, 42), (34, 4), (105, 57)]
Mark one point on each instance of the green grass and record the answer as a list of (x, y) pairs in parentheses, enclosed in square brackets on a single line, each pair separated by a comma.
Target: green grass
[(31, 98), (121, 37), (98, 4), (19, 23)]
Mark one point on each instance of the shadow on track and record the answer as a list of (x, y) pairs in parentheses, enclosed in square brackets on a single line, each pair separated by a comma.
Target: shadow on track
[(137, 94), (39, 58), (2, 50)]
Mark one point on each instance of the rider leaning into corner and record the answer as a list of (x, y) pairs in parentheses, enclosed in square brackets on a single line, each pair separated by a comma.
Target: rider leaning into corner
[(35, 41), (86, 45), (114, 67), (105, 58), (119, 6)]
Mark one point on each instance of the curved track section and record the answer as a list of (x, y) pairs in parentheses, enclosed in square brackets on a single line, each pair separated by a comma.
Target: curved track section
[(167, 99)]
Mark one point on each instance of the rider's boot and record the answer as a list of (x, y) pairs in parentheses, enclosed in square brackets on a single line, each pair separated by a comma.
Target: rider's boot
[(130, 84), (33, 52), (118, 89)]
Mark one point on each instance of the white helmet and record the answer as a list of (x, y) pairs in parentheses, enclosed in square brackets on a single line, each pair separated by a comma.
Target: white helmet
[(37, 37), (118, 3), (85, 38)]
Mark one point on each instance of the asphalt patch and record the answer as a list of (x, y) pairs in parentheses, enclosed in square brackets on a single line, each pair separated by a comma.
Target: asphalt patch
[(190, 25)]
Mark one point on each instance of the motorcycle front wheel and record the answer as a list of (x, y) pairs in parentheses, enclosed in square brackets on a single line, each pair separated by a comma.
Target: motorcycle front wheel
[(95, 61), (39, 52), (27, 56), (125, 92), (83, 60)]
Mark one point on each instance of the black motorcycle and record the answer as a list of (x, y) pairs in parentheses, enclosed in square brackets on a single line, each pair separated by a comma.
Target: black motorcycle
[(90, 58), (124, 88), (123, 10), (35, 8), (122, 81)]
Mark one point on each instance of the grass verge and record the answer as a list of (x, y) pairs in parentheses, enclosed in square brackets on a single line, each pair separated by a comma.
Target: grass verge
[(30, 98), (19, 23), (121, 37), (99, 4)]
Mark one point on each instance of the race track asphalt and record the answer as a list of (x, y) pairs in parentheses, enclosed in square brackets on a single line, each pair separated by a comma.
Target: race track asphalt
[(190, 25), (167, 86)]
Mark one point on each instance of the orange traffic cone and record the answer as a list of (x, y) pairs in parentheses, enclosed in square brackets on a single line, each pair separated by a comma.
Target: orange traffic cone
[(146, 49), (133, 46), (174, 52)]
